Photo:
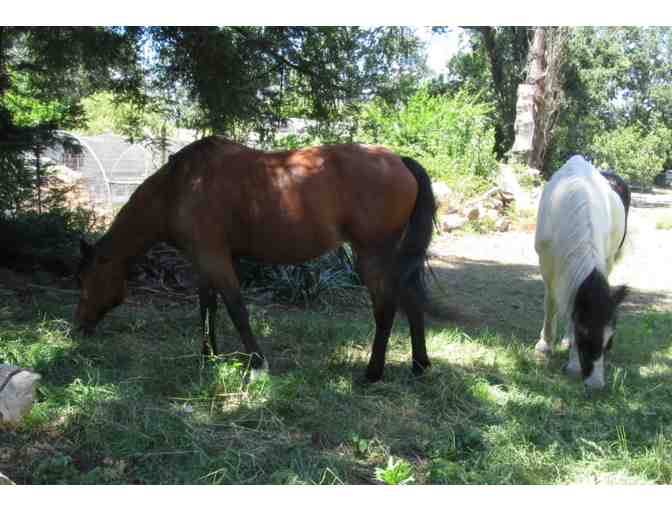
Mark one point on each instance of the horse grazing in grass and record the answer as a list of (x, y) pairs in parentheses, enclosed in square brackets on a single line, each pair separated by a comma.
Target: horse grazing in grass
[(580, 232), (216, 200)]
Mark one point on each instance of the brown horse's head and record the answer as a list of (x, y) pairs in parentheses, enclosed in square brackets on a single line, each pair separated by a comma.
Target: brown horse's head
[(102, 284)]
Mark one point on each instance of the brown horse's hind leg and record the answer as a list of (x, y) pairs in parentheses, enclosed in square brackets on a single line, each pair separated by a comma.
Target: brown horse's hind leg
[(383, 289), (207, 301), (411, 303), (222, 276)]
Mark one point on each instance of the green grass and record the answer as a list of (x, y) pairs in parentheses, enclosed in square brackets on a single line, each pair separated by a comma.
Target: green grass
[(136, 404)]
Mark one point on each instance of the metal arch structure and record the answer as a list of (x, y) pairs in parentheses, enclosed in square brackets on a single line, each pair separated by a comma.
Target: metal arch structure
[(112, 167), (95, 158)]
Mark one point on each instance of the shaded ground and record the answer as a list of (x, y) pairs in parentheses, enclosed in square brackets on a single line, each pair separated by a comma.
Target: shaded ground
[(494, 280)]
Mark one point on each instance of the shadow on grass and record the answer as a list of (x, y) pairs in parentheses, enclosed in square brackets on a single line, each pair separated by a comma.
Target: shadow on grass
[(506, 298), (136, 404)]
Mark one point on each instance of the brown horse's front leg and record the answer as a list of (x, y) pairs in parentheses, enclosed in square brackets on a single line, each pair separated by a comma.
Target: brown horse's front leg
[(384, 313), (207, 301), (221, 275)]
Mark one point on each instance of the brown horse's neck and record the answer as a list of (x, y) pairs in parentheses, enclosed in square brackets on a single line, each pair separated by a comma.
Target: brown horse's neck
[(140, 223)]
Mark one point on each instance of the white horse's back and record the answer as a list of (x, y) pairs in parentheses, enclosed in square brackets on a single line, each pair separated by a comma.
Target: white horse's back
[(580, 225)]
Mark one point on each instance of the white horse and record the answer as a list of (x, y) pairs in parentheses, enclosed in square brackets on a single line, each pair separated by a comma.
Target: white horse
[(581, 227)]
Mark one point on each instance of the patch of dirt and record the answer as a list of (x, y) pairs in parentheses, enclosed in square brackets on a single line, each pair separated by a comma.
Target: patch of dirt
[(493, 280)]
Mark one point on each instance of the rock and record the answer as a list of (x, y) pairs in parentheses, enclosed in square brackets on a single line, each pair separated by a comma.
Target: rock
[(490, 214), (503, 224), (473, 213), (452, 222), (447, 200), (508, 182), (17, 392), (533, 172)]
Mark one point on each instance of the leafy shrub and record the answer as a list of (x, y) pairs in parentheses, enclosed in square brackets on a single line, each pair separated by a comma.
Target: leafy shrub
[(302, 283), (50, 239), (633, 154), (451, 136)]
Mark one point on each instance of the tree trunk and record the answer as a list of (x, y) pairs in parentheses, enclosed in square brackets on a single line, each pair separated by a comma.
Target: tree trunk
[(537, 78), (540, 96)]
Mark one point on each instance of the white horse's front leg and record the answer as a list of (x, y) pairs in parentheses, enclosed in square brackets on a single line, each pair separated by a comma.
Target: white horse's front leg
[(573, 367), (568, 340), (545, 344)]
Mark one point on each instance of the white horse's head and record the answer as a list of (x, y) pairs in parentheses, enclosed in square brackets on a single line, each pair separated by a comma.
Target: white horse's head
[(594, 321)]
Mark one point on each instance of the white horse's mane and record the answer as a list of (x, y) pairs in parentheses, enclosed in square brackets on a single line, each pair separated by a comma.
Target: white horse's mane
[(576, 253)]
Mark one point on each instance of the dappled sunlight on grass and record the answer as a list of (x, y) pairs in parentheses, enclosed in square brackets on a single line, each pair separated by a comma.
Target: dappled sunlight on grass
[(136, 403)]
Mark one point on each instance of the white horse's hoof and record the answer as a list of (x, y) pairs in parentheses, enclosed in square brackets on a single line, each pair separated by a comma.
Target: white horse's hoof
[(565, 343), (572, 371), (542, 348)]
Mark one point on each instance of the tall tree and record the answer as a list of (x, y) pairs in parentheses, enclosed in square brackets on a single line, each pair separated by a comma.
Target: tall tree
[(44, 72), (614, 78), (540, 96), (258, 75), (493, 67), (507, 51)]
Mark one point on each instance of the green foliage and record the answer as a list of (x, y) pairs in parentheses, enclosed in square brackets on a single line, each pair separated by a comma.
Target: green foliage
[(302, 283), (104, 112), (633, 154), (616, 80), (450, 136), (49, 239), (492, 68), (254, 77), (396, 472)]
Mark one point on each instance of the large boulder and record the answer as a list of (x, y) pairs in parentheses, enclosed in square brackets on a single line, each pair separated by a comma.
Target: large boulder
[(17, 393)]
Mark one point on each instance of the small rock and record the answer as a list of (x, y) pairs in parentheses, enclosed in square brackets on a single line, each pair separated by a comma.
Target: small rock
[(474, 213), (452, 222), (503, 224)]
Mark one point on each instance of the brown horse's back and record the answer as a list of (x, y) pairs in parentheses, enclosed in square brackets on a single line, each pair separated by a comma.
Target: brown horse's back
[(287, 207)]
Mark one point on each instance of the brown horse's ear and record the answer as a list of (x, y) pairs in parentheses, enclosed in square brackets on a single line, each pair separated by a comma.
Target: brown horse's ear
[(619, 294), (86, 249)]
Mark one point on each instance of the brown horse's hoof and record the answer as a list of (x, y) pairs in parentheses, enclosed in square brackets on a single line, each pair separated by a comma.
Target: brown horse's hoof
[(420, 368), (372, 376)]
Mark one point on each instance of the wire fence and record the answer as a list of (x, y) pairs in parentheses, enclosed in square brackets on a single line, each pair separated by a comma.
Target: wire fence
[(110, 166)]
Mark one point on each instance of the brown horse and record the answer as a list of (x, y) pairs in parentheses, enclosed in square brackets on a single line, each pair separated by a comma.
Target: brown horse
[(216, 200)]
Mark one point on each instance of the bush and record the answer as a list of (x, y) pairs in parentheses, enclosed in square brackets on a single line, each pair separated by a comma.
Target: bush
[(49, 240), (636, 156), (451, 136)]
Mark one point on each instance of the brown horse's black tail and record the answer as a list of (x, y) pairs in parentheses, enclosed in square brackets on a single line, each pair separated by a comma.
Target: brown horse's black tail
[(414, 245)]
